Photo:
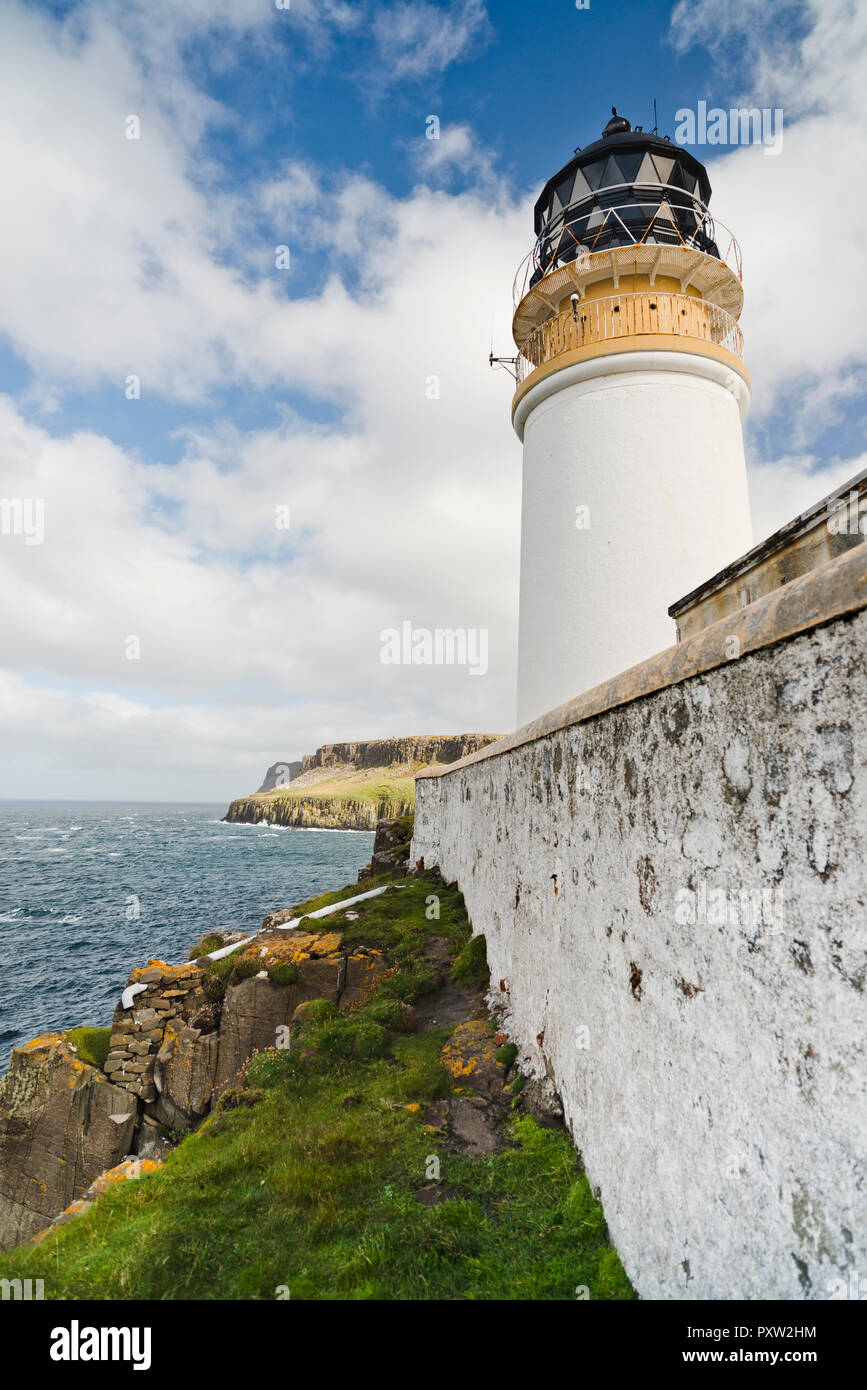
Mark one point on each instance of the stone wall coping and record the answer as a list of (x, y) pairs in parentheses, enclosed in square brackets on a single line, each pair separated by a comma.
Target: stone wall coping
[(834, 590)]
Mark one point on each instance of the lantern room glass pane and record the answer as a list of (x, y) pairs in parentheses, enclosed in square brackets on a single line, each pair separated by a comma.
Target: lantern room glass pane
[(629, 166), (563, 191), (581, 188), (664, 166)]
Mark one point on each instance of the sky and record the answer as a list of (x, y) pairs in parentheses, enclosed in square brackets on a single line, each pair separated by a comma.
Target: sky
[(253, 461)]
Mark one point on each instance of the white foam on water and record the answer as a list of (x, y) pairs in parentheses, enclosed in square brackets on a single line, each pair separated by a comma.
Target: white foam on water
[(290, 829), (327, 830)]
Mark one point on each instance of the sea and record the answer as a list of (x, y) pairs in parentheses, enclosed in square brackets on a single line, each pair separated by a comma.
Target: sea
[(90, 890)]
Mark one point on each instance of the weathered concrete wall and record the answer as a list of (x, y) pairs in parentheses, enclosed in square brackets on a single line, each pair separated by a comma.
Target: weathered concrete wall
[(709, 1048)]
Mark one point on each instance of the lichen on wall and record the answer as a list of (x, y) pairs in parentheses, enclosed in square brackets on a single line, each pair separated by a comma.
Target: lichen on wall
[(673, 896)]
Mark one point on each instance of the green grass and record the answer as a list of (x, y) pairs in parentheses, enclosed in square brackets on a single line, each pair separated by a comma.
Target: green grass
[(352, 890), (91, 1044), (471, 966), (313, 1183), (348, 787), (298, 1190), (397, 919), (214, 941)]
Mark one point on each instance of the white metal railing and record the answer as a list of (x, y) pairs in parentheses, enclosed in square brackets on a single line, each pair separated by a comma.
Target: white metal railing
[(635, 225), (625, 316)]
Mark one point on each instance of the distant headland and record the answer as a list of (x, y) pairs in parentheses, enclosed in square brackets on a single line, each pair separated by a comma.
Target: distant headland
[(350, 786)]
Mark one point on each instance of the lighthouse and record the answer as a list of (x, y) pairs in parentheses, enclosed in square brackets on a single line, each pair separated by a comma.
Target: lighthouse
[(631, 391)]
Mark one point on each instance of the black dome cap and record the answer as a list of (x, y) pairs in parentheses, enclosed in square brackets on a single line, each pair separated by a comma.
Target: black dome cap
[(618, 125)]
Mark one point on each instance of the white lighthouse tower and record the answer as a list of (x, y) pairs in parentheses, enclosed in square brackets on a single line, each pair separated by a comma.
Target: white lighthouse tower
[(631, 391)]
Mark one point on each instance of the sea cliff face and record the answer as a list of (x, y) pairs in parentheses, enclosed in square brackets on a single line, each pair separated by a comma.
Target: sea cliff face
[(393, 752), (322, 813)]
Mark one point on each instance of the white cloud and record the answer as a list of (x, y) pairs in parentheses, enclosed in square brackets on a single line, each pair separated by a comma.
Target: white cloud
[(457, 151), (405, 508), (107, 231), (123, 236), (780, 489), (800, 215), (417, 39)]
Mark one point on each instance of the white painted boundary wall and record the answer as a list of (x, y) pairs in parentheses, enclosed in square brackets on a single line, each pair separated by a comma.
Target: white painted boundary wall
[(712, 1071)]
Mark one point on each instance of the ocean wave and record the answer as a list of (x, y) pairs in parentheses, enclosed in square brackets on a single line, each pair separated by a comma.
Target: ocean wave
[(276, 827), (326, 830)]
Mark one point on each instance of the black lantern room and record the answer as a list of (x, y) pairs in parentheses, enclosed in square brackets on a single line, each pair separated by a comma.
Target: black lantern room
[(627, 188)]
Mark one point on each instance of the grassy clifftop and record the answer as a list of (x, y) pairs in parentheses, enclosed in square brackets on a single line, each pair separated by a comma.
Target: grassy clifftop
[(386, 1153)]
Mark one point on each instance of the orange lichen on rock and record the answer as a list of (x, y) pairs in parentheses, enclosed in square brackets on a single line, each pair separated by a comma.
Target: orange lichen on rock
[(161, 965), (470, 1056), (293, 949), (131, 1168), (45, 1040)]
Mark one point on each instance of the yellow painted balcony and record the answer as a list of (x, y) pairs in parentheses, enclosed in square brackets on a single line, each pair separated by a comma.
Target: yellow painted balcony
[(622, 316)]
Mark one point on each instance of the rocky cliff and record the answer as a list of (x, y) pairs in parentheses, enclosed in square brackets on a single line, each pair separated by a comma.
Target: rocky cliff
[(62, 1123), (320, 812), (350, 786), (173, 1052), (396, 752)]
